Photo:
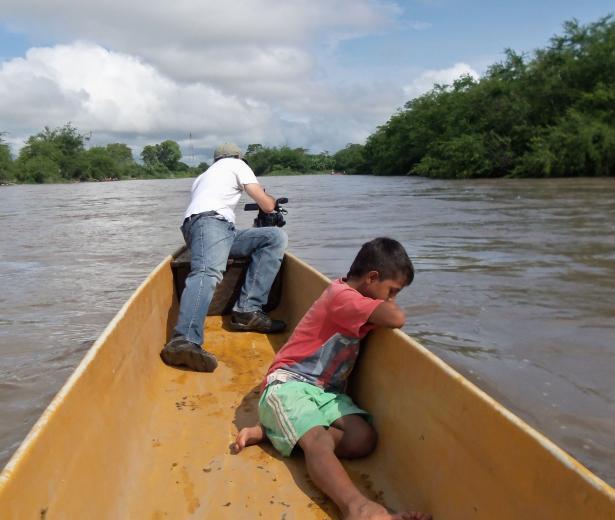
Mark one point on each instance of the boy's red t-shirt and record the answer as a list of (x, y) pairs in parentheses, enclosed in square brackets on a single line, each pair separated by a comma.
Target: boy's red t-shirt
[(325, 344)]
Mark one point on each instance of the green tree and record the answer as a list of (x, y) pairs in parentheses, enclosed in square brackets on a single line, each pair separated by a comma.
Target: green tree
[(61, 150), (121, 153), (259, 158), (286, 160), (149, 154), (321, 162), (542, 116), (6, 162), (38, 169), (289, 159), (165, 155), (202, 167), (169, 154), (350, 160), (254, 148), (123, 161), (100, 164)]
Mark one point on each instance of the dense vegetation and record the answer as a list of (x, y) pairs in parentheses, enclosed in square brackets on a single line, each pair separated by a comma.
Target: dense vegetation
[(60, 155), (285, 160), (552, 115), (549, 115), (297, 161)]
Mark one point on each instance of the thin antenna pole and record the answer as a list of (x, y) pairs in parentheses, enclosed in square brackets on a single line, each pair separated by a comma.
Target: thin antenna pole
[(192, 158)]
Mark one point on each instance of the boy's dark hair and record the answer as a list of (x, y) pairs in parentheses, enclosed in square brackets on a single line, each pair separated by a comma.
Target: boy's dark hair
[(385, 255)]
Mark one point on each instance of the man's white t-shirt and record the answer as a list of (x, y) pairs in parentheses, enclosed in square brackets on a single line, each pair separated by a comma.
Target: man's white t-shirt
[(219, 188)]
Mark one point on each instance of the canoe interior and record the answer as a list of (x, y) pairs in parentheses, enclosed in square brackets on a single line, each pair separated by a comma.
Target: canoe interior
[(128, 437)]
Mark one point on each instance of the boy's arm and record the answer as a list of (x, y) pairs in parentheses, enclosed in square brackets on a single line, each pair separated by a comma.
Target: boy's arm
[(388, 314)]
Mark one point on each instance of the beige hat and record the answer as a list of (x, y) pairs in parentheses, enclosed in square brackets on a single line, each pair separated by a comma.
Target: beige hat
[(227, 150)]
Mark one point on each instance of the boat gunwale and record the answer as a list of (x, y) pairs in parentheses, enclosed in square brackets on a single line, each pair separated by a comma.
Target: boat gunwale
[(39, 426), (558, 452)]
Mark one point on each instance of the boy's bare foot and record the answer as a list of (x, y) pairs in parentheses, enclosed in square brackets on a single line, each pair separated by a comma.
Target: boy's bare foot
[(371, 510), (247, 437)]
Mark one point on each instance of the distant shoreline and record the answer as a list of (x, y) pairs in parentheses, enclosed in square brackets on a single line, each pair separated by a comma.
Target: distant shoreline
[(278, 173), (337, 174)]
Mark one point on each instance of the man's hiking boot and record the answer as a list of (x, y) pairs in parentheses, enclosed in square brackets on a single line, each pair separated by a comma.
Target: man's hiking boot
[(179, 352), (255, 321)]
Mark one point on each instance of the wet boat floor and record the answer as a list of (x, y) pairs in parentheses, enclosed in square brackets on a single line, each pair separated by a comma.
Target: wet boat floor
[(187, 469)]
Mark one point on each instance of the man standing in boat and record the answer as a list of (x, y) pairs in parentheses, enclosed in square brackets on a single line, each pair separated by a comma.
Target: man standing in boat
[(209, 231)]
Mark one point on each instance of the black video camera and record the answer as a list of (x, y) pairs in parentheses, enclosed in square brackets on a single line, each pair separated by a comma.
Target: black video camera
[(269, 219)]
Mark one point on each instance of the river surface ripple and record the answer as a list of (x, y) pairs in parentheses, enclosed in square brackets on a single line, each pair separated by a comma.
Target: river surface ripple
[(515, 282)]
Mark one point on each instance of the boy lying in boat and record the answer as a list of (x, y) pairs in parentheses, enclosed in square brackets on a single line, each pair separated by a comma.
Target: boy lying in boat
[(303, 401)]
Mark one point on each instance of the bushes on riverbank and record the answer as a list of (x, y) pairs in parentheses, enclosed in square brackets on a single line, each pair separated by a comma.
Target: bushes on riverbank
[(297, 161), (552, 115), (60, 155), (285, 160), (6, 163)]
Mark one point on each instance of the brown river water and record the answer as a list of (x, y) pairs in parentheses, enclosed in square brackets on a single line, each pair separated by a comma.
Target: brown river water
[(515, 283)]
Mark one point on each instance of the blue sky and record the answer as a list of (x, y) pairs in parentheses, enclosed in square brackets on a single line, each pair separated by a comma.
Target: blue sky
[(474, 32), (316, 74)]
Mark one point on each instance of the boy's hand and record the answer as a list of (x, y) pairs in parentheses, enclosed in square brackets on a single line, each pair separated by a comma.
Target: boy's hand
[(388, 314)]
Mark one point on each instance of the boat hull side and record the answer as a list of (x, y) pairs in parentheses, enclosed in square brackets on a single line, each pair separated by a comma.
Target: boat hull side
[(444, 445), (103, 406), (448, 448)]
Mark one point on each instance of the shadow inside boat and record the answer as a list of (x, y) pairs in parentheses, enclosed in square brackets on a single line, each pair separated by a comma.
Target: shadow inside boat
[(246, 414), (277, 340)]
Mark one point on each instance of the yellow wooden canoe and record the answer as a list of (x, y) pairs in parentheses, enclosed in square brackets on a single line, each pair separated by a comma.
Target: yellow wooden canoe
[(128, 437)]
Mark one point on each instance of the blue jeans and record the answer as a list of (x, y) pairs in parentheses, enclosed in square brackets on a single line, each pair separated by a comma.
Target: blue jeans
[(212, 241)]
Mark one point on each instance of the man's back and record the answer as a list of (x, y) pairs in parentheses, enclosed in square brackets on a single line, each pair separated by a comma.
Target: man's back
[(219, 188)]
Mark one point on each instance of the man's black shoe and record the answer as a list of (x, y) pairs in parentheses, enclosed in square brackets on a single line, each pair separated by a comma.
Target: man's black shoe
[(255, 321), (179, 352)]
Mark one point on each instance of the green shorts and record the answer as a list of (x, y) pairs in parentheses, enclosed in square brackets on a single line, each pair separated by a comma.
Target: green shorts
[(287, 411)]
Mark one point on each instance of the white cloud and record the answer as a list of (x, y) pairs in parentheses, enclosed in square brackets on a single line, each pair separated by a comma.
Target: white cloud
[(120, 97), (142, 71), (103, 91), (235, 67), (204, 40), (268, 21), (426, 81)]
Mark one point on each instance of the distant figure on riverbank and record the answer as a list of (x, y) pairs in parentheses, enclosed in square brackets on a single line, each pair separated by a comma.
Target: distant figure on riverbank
[(303, 401), (209, 231)]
